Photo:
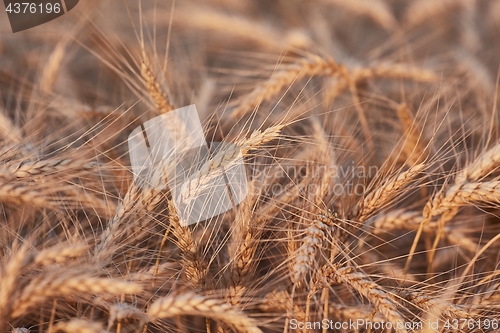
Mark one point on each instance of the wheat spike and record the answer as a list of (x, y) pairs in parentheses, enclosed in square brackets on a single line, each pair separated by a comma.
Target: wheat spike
[(156, 93), (79, 326), (62, 284), (59, 253), (224, 159), (333, 274), (197, 305), (463, 194), (194, 267), (486, 163), (304, 68), (305, 254), (120, 311), (413, 147), (386, 192)]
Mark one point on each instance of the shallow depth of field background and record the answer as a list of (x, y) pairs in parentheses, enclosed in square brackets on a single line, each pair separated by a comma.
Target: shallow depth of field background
[(370, 134)]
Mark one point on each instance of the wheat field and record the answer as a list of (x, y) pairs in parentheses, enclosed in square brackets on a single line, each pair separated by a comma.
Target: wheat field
[(370, 132)]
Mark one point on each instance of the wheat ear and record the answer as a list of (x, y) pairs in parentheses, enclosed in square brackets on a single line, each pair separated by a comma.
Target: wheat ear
[(225, 159), (305, 254), (136, 199), (463, 194), (120, 311), (59, 253), (429, 303), (19, 193), (411, 220), (33, 168), (9, 275), (486, 163), (244, 243), (62, 284), (156, 93), (193, 266), (9, 131), (387, 191), (197, 305), (79, 326), (333, 274), (315, 66), (413, 148)]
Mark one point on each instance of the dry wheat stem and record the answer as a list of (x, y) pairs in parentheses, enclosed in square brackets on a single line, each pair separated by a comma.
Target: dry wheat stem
[(197, 305)]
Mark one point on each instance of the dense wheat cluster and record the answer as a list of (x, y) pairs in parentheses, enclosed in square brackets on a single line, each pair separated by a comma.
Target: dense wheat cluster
[(370, 132)]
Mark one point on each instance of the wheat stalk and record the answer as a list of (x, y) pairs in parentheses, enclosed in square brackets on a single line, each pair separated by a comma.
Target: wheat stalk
[(193, 266), (315, 66), (79, 326), (20, 193), (225, 158), (62, 284), (387, 191), (305, 254), (463, 194), (158, 97), (334, 274), (197, 305), (120, 311), (486, 163), (28, 168)]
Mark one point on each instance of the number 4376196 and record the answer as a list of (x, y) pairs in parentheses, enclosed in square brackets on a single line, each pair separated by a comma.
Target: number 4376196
[(33, 8), (470, 324)]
